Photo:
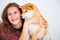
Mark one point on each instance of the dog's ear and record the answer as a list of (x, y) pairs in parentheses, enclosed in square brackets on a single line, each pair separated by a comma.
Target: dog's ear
[(21, 6), (28, 5)]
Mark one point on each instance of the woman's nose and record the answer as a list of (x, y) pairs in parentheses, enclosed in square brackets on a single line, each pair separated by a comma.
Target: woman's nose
[(13, 16)]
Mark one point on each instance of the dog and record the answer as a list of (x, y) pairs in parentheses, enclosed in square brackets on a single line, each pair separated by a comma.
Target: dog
[(36, 31)]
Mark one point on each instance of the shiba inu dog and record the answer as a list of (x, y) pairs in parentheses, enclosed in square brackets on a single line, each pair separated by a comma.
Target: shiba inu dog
[(36, 31)]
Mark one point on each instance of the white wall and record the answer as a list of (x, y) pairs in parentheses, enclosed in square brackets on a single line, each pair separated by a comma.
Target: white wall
[(48, 8)]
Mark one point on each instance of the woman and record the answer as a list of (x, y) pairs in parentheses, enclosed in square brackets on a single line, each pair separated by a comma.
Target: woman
[(13, 26)]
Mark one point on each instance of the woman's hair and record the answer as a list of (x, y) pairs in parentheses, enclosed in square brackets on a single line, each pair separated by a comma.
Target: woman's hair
[(5, 20)]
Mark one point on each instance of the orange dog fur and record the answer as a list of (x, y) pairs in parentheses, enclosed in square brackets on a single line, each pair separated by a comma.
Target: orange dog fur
[(43, 25)]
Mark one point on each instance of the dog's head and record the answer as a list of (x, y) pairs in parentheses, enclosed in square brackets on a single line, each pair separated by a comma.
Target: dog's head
[(28, 10)]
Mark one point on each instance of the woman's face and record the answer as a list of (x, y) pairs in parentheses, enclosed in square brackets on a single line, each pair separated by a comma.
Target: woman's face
[(14, 16)]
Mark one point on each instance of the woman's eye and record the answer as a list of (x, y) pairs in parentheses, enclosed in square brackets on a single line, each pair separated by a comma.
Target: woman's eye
[(10, 14)]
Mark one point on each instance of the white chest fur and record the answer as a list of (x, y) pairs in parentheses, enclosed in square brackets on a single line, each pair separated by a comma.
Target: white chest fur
[(32, 28)]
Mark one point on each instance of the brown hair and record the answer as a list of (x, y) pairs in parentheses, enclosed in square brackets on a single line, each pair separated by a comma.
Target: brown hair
[(5, 20)]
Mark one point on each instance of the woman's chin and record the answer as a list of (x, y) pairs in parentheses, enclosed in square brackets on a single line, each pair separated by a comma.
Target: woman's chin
[(15, 23)]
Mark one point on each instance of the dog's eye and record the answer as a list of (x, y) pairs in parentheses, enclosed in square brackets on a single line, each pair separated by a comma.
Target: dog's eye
[(25, 11)]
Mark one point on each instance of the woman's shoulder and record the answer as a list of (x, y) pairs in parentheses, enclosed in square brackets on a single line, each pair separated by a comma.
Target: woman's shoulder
[(8, 35)]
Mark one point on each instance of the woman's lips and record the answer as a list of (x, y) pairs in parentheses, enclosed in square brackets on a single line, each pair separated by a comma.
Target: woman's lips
[(14, 19)]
